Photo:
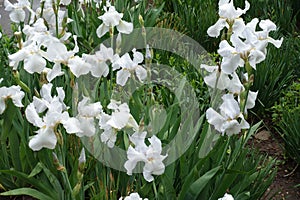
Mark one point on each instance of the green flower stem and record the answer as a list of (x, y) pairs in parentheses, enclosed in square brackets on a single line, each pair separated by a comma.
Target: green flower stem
[(154, 188), (55, 9), (42, 8), (20, 83), (111, 34), (64, 172), (230, 30), (247, 85)]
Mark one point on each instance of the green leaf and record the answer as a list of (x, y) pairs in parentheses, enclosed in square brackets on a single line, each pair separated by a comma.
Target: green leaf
[(36, 170), (201, 183), (34, 182), (251, 131), (27, 191)]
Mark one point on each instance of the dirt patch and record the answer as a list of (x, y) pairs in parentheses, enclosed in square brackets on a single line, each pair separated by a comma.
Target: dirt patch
[(288, 176)]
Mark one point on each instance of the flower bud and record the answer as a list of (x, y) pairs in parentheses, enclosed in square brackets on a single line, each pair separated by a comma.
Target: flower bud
[(56, 163), (82, 160), (141, 20)]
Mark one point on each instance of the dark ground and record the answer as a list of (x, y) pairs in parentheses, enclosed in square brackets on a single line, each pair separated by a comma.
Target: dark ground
[(288, 174)]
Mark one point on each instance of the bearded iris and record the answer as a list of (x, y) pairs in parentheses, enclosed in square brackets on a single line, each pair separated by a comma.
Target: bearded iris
[(112, 18)]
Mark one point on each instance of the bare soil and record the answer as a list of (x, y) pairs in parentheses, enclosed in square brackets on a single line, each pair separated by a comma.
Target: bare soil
[(288, 174)]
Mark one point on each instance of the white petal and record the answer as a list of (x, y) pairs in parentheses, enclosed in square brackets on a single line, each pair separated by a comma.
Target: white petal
[(133, 158), (33, 117), (82, 157), (209, 68), (155, 143), (212, 79), (251, 100), (256, 57), (215, 119), (138, 139), (230, 64), (225, 49), (78, 66), (16, 95), (141, 73), (267, 25), (147, 176), (109, 137), (125, 27), (87, 125), (40, 105), (34, 63), (45, 138), (230, 107), (119, 120), (102, 30), (276, 43), (65, 2), (100, 69), (89, 109), (227, 197), (238, 26), (2, 105), (214, 30), (17, 57), (56, 51), (231, 127), (72, 125), (252, 24), (235, 86), (17, 15), (138, 57), (132, 123), (122, 77), (46, 92), (54, 72)]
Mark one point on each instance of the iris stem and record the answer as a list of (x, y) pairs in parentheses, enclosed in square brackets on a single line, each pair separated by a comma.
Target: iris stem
[(154, 188)]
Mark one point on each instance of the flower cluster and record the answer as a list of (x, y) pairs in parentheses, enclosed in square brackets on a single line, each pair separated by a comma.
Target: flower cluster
[(55, 113), (242, 49), (45, 43), (43, 49)]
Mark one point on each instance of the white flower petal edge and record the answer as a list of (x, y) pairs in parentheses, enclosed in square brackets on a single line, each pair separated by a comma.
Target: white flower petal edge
[(132, 196), (227, 197)]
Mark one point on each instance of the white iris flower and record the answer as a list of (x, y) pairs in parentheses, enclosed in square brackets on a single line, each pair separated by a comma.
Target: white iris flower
[(230, 120), (14, 93), (119, 119), (229, 16), (55, 113), (150, 155), (112, 18), (129, 67)]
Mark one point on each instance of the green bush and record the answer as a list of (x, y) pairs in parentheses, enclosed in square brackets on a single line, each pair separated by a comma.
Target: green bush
[(290, 133), (289, 101)]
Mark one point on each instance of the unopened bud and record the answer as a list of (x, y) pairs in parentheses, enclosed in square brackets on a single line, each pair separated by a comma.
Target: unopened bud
[(82, 160), (56, 163), (148, 53), (141, 20), (76, 189)]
